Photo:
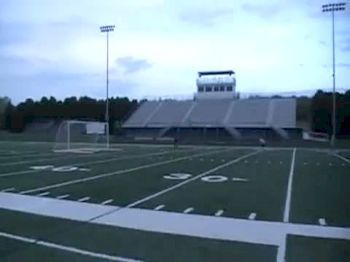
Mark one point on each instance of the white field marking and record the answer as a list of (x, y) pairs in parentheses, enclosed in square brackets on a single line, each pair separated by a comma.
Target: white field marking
[(95, 162), (281, 251), (215, 169), (43, 194), (106, 202), (219, 213), (342, 158), (8, 189), (83, 199), (65, 157), (119, 172), (19, 173), (239, 179), (166, 190), (67, 248), (231, 229), (289, 189), (63, 196), (252, 216), (188, 210), (159, 207), (322, 222)]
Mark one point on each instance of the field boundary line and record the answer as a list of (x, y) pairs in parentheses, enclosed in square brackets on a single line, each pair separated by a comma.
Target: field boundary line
[(81, 180), (67, 248), (176, 185), (289, 189), (281, 250)]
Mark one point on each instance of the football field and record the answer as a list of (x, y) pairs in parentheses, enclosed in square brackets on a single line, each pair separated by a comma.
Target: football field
[(160, 203)]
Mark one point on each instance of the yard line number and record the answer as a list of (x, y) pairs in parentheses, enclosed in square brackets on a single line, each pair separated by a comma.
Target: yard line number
[(209, 179)]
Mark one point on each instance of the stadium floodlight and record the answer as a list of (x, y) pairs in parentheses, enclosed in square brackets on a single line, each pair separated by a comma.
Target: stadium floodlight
[(107, 29), (334, 7)]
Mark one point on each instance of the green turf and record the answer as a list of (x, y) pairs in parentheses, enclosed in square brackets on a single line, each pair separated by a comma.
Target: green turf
[(309, 249), (320, 189), (124, 242)]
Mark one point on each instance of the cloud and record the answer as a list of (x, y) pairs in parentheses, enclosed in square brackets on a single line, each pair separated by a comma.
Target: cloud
[(204, 17), (132, 65), (262, 10)]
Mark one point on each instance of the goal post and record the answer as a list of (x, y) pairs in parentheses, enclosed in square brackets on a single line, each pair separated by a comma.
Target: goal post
[(81, 136)]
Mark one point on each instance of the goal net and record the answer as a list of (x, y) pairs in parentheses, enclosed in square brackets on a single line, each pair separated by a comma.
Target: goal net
[(81, 137)]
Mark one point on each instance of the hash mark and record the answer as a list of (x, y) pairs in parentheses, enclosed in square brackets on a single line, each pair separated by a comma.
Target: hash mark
[(159, 207), (188, 210), (62, 196), (252, 216), (107, 202), (83, 199), (219, 213)]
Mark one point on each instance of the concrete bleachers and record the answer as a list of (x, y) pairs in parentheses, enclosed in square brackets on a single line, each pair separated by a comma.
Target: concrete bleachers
[(137, 119), (208, 113), (249, 113), (245, 113), (170, 113)]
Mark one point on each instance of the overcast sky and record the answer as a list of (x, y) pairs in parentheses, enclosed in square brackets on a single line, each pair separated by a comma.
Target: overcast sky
[(54, 47)]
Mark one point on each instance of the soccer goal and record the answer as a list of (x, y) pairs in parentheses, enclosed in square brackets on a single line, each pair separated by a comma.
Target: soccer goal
[(81, 137)]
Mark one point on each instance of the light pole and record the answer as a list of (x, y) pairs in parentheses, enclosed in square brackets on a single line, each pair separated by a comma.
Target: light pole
[(107, 29), (333, 8)]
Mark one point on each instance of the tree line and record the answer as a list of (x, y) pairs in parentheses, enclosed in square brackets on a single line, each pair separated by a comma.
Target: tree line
[(315, 112), (16, 118)]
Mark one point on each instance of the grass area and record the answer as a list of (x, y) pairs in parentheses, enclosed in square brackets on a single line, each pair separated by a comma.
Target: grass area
[(125, 242), (321, 189), (306, 249), (207, 182)]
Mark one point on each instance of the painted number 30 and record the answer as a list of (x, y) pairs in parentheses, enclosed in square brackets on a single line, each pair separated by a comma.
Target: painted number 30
[(184, 176)]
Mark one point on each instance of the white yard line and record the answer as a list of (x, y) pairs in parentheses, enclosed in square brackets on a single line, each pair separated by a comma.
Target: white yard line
[(192, 179), (342, 158), (159, 207), (94, 162), (289, 189), (106, 202), (83, 199), (188, 210), (66, 248), (119, 172), (62, 196)]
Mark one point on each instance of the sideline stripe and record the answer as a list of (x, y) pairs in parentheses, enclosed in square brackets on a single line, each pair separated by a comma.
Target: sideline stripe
[(281, 251), (322, 222), (67, 248), (289, 189), (119, 172)]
